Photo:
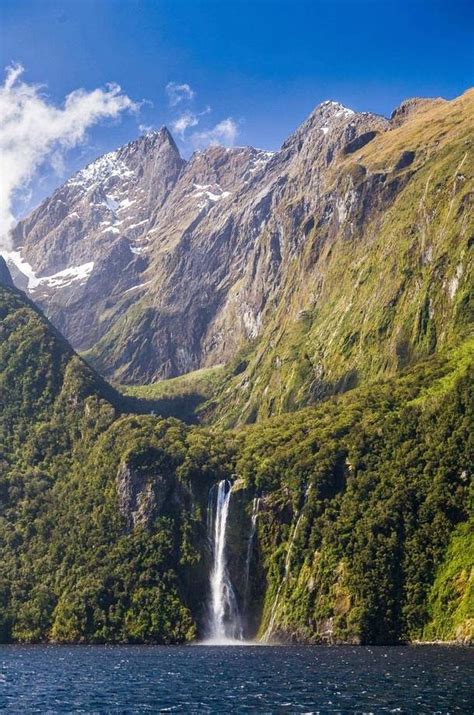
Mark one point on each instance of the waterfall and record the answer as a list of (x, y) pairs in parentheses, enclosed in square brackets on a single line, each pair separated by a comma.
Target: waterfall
[(224, 618), (253, 526)]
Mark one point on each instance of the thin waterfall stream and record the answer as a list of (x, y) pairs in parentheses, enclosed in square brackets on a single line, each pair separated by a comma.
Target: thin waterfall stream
[(253, 527), (283, 582)]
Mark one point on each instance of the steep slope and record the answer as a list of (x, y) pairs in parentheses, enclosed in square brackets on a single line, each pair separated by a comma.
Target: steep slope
[(213, 285), (101, 526), (362, 531), (84, 245), (360, 502), (194, 256), (385, 275), (5, 276), (210, 264), (342, 257)]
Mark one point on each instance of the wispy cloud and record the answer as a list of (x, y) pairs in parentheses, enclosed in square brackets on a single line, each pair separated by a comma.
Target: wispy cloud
[(34, 131), (178, 92), (145, 128), (184, 122), (225, 133)]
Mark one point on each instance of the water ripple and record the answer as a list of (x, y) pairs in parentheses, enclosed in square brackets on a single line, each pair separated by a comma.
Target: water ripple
[(286, 679)]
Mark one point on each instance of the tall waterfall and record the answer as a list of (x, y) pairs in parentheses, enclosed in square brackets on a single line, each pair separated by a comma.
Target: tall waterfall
[(224, 618)]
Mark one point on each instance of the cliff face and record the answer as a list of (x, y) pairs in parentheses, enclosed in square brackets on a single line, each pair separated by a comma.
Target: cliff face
[(384, 275), (84, 244), (5, 277), (331, 247)]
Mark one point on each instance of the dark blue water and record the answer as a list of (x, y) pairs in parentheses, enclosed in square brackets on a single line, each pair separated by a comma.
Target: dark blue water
[(293, 679)]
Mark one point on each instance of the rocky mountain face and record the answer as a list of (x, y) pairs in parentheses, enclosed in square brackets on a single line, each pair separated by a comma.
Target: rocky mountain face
[(327, 259), (84, 244), (5, 277)]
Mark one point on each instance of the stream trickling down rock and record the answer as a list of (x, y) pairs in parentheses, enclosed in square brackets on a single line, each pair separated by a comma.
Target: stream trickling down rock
[(248, 558)]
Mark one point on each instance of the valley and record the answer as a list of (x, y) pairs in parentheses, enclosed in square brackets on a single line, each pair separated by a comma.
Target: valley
[(279, 340)]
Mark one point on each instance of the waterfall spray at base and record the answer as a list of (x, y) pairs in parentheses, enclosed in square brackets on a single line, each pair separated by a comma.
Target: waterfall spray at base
[(224, 618)]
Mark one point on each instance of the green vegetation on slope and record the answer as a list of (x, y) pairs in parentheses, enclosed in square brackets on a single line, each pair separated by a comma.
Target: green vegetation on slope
[(380, 289), (361, 537), (72, 565), (451, 600), (183, 397), (360, 497)]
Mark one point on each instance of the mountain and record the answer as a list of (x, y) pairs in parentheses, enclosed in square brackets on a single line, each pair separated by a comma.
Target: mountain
[(341, 258), (361, 529), (82, 245), (96, 528), (322, 292)]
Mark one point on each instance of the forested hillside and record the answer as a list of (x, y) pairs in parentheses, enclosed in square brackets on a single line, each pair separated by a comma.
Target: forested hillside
[(362, 529)]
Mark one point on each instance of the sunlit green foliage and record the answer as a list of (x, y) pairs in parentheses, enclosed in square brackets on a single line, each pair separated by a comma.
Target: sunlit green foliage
[(362, 531)]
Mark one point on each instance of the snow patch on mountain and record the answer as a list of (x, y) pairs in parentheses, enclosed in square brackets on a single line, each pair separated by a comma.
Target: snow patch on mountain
[(61, 278), (204, 190), (67, 276), (14, 258), (100, 170)]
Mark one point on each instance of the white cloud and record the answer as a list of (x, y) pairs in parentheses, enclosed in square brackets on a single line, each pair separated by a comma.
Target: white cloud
[(224, 133), (145, 128), (177, 92), (185, 121), (33, 131)]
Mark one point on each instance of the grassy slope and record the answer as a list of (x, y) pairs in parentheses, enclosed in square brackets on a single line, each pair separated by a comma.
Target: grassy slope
[(398, 289), (182, 397)]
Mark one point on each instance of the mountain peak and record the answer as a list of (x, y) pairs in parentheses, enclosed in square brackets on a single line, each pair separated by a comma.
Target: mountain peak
[(332, 107), (153, 138)]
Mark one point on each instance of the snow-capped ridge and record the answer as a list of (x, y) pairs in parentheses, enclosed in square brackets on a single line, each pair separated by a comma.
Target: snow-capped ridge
[(98, 171)]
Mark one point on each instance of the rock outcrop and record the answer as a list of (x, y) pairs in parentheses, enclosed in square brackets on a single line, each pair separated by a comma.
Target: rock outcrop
[(5, 277), (141, 494)]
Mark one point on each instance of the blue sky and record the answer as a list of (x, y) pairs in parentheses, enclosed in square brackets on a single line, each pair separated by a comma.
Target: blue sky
[(263, 63)]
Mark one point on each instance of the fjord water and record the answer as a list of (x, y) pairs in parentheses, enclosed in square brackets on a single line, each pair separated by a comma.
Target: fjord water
[(271, 679)]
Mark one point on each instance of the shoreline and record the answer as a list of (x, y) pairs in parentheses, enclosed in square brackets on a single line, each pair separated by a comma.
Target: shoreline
[(244, 644)]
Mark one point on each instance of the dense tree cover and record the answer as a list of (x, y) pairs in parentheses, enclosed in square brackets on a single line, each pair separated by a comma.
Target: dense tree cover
[(360, 498), (71, 569), (362, 531)]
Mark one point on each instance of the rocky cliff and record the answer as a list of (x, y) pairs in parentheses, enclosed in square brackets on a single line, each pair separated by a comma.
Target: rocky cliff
[(331, 249), (5, 277)]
